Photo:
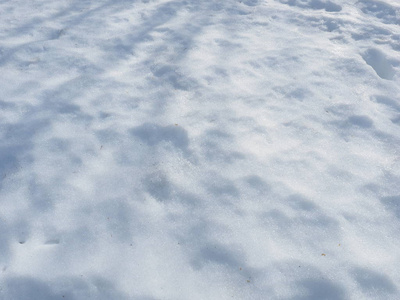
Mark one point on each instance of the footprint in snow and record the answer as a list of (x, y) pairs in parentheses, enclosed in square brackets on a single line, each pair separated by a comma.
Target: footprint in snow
[(380, 63), (383, 11), (314, 4), (153, 134)]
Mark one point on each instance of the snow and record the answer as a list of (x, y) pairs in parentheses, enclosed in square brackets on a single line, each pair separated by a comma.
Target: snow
[(207, 149)]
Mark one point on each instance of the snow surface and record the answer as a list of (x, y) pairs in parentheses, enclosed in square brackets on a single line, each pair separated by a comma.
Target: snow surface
[(208, 149)]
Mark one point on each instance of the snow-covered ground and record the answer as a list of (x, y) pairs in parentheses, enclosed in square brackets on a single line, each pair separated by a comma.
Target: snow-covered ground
[(194, 149)]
